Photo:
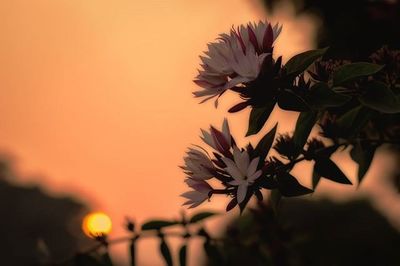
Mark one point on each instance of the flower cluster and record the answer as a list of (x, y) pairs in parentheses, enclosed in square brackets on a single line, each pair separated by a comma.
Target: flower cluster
[(237, 169), (235, 58)]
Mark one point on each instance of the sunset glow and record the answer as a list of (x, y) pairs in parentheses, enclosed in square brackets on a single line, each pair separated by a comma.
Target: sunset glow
[(96, 224)]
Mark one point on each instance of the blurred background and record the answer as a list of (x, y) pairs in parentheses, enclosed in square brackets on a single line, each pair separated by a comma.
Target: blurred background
[(96, 112)]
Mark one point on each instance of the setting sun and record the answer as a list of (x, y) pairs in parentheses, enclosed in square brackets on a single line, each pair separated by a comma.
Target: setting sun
[(96, 224)]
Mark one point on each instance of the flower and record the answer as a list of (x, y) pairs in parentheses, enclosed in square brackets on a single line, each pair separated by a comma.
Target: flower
[(220, 141), (197, 165), (243, 171), (199, 194), (235, 58)]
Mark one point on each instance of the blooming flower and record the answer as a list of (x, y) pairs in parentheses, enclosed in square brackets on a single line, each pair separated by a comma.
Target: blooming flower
[(235, 58), (243, 171), (199, 194), (220, 141), (197, 165)]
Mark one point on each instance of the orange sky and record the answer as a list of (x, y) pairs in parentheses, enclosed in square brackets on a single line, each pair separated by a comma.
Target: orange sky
[(96, 94)]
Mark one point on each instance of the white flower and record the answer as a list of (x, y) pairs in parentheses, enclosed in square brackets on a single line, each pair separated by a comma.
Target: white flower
[(199, 194), (242, 171), (197, 165), (235, 58), (219, 141)]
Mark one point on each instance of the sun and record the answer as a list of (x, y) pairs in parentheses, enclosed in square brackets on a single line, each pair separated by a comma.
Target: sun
[(96, 224)]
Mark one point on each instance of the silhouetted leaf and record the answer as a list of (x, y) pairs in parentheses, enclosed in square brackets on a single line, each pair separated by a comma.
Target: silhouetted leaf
[(201, 216), (265, 144), (165, 252), (304, 125), (362, 154), (350, 72), (258, 117), (315, 179), (326, 168), (182, 255), (302, 61), (351, 122), (288, 100), (321, 96), (232, 204), (290, 187), (157, 224), (379, 97)]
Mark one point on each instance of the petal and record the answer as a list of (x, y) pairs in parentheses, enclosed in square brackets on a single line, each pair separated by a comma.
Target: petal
[(253, 166), (226, 131), (242, 160), (253, 177), (241, 192), (232, 169)]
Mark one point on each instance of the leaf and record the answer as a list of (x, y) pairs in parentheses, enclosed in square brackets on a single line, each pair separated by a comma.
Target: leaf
[(299, 63), (379, 97), (304, 125), (265, 144), (157, 224), (165, 252), (182, 255), (350, 72), (326, 168), (290, 187), (321, 96), (201, 216), (351, 122), (258, 117), (362, 155), (232, 204), (290, 101), (315, 179)]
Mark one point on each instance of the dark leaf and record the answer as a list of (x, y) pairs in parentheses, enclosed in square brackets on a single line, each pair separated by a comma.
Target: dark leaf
[(232, 204), (258, 117), (351, 122), (265, 144), (201, 216), (304, 125), (290, 101), (157, 224), (362, 154), (326, 168), (299, 63), (379, 97), (350, 72), (238, 107), (321, 96), (290, 187), (315, 179), (182, 255), (165, 252)]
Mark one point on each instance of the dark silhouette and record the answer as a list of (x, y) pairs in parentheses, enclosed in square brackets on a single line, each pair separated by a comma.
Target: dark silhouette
[(306, 232), (37, 228)]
